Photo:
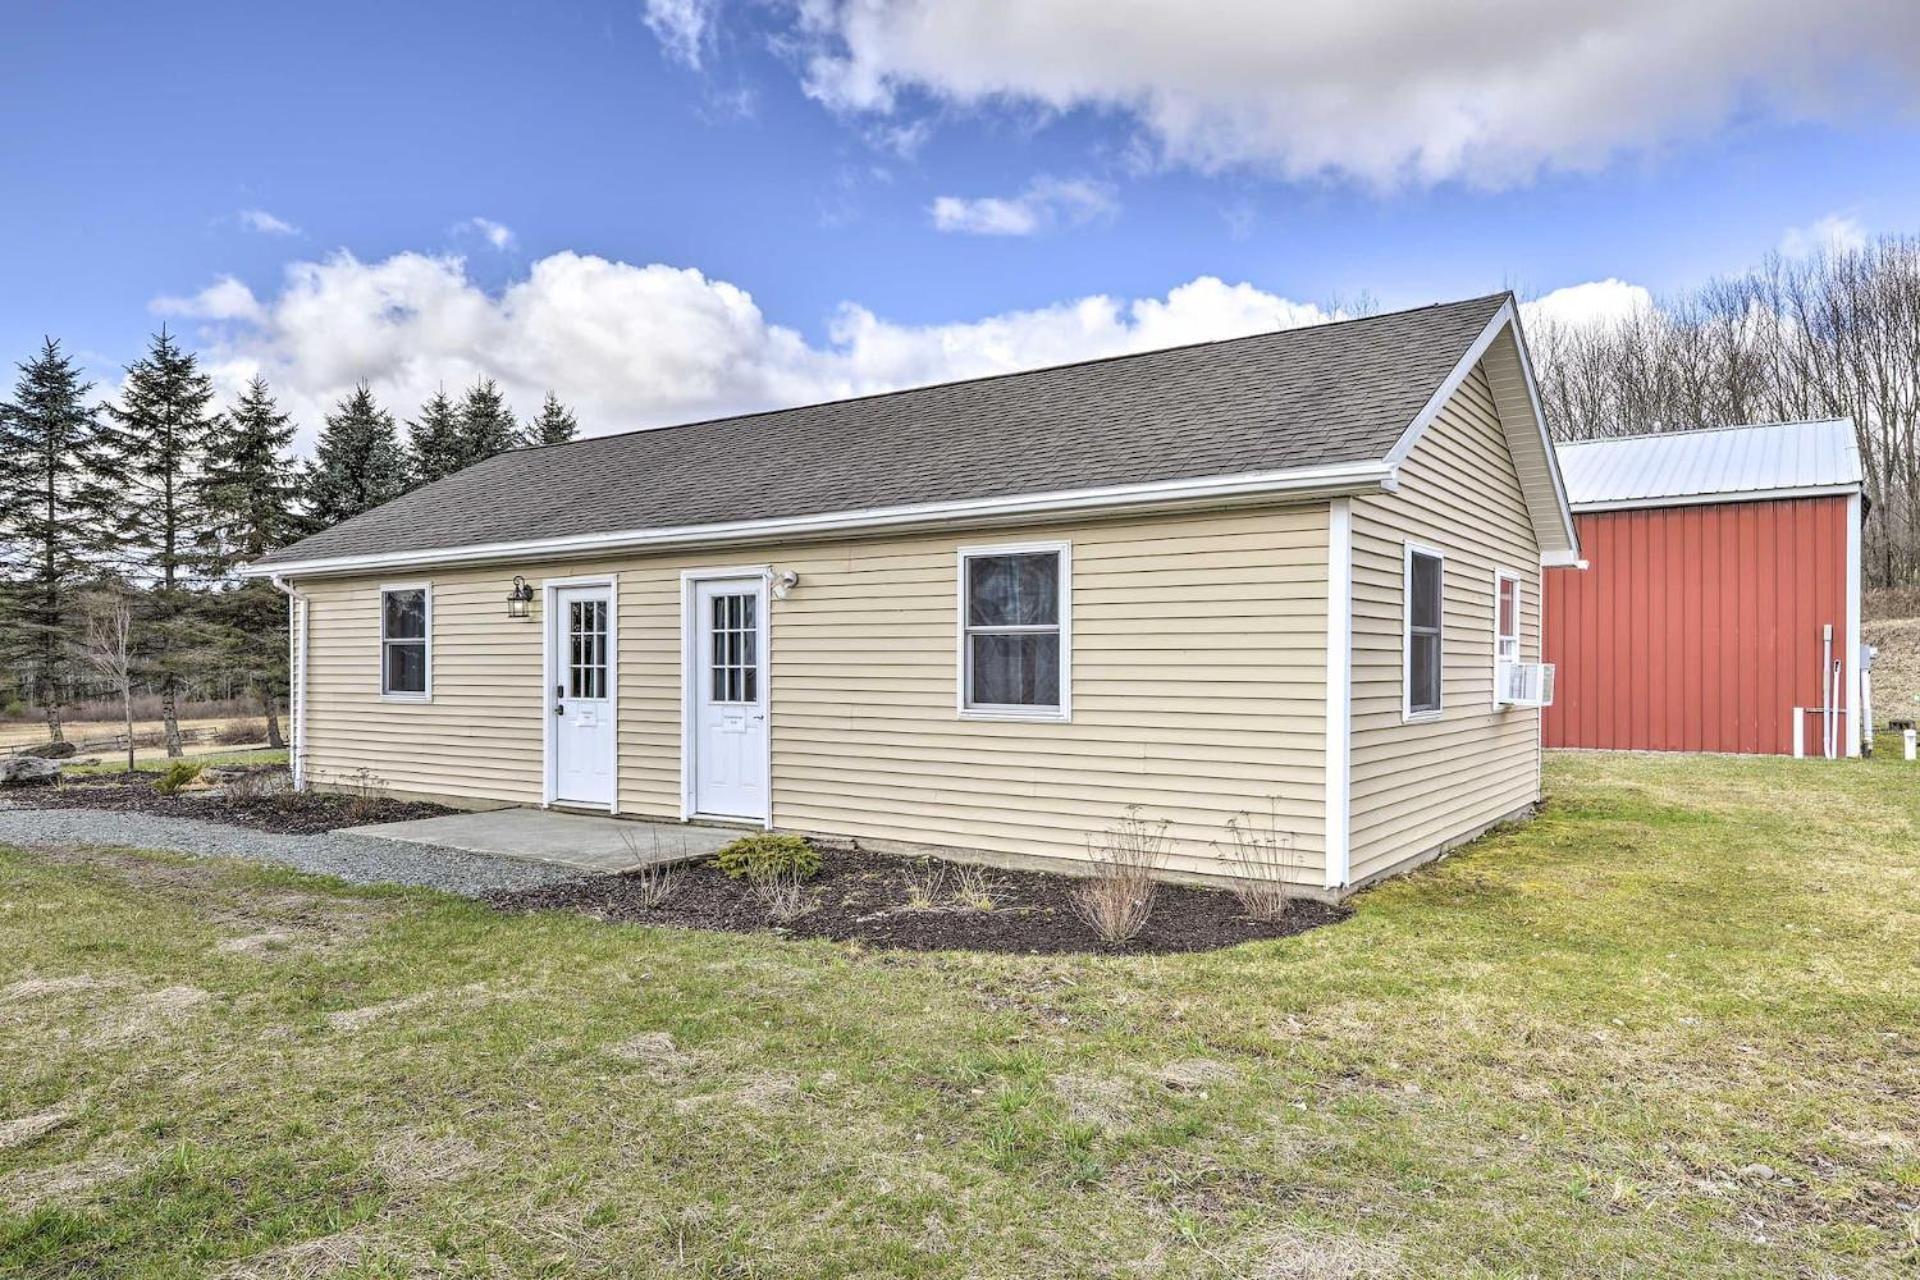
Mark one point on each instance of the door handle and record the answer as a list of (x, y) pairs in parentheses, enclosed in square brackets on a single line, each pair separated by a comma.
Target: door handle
[(559, 710)]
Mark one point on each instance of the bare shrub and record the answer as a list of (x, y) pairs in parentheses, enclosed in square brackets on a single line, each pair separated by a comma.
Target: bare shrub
[(923, 884), (1117, 899), (781, 893), (261, 784), (241, 733), (1264, 861), (973, 889), (653, 873)]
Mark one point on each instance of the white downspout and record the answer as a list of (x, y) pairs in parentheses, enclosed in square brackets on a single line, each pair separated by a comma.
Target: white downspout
[(1854, 652), (1337, 798), (296, 678)]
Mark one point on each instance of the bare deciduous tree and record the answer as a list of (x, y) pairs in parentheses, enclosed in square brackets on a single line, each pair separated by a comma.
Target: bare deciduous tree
[(107, 647), (1833, 335)]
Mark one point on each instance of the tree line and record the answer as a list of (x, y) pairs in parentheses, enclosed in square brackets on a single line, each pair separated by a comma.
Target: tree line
[(124, 520), (1836, 334)]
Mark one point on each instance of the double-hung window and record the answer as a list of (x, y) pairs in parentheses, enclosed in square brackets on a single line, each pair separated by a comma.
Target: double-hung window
[(1014, 632), (1425, 608), (1506, 633), (406, 661)]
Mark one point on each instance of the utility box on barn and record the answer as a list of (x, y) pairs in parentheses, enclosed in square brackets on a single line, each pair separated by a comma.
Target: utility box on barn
[(1720, 606)]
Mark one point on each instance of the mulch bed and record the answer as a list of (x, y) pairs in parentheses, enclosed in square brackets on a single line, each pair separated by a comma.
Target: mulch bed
[(862, 897), (287, 812)]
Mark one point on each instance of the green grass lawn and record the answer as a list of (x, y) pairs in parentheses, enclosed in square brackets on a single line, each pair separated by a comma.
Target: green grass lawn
[(1671, 1028)]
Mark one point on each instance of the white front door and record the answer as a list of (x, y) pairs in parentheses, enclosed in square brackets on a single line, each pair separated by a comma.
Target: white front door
[(729, 675), (582, 679)]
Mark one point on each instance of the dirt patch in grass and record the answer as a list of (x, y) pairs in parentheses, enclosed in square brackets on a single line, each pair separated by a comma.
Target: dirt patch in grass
[(866, 897), (288, 812), (29, 1129)]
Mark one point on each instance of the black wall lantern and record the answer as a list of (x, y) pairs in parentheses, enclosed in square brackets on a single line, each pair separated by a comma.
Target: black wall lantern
[(520, 599)]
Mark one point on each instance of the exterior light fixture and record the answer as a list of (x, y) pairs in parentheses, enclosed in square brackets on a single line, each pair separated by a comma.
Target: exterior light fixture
[(785, 583), (520, 599)]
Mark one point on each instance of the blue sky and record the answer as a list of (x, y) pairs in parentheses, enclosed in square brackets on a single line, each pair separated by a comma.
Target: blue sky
[(664, 208)]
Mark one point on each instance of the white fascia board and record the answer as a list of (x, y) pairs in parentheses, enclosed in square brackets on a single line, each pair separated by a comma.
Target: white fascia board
[(1720, 498), (1502, 319), (1299, 483), (1561, 560)]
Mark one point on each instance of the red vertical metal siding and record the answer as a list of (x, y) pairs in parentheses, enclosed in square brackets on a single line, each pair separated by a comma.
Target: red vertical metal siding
[(1697, 628)]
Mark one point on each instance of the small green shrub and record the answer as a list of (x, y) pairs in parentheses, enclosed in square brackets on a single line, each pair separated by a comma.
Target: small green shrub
[(764, 857), (178, 775)]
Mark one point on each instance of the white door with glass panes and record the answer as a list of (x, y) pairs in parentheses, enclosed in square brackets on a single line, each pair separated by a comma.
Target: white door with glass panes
[(730, 699), (582, 648)]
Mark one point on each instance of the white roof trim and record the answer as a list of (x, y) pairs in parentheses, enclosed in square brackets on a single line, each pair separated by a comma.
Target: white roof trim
[(1299, 483), (1502, 319), (1720, 498)]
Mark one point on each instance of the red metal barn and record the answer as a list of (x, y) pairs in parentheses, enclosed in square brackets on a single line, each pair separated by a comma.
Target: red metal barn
[(1721, 593)]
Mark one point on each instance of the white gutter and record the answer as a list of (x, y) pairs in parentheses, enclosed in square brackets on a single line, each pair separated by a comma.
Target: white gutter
[(296, 678), (1299, 483)]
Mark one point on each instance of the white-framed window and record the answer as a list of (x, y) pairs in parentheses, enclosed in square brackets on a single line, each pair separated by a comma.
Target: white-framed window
[(1506, 631), (1423, 605), (406, 641), (1016, 631)]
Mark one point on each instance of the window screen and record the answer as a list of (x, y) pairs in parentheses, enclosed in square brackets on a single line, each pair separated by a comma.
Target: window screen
[(1012, 630), (403, 641), (1424, 621)]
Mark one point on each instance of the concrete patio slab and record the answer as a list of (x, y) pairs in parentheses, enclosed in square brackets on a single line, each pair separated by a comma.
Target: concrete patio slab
[(590, 843)]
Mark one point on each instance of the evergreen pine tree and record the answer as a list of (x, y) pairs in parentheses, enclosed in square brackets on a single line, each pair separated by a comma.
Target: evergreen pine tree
[(435, 441), (487, 425), (358, 464), (159, 438), (249, 489), (554, 425), (53, 518)]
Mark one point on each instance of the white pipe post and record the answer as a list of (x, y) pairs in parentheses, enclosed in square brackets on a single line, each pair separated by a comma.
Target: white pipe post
[(1912, 737), (1826, 694), (1799, 733)]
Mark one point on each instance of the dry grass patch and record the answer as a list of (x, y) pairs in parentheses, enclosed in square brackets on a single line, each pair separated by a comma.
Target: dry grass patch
[(25, 1130)]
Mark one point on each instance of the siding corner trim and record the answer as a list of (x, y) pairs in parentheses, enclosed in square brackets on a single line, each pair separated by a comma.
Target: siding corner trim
[(1339, 743)]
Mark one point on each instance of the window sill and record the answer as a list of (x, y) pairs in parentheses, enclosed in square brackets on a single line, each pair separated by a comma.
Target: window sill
[(416, 698), (1056, 715), (1422, 717)]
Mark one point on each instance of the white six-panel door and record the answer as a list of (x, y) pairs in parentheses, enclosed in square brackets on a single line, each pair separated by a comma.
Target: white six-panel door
[(727, 669), (583, 681)]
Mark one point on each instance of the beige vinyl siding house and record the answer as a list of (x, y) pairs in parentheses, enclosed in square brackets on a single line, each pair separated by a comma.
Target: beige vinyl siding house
[(999, 680)]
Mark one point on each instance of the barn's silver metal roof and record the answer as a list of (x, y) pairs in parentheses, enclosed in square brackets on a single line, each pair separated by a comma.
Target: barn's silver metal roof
[(1722, 464)]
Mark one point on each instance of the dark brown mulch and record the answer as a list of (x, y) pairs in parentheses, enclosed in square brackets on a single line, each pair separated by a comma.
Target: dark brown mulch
[(862, 897), (291, 813)]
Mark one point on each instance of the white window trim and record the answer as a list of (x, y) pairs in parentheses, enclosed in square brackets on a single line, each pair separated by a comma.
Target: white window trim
[(380, 676), (1407, 714), (1047, 715), (1500, 578)]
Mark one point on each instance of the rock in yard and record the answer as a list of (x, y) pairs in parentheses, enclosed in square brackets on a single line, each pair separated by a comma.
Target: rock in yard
[(52, 751), (28, 771)]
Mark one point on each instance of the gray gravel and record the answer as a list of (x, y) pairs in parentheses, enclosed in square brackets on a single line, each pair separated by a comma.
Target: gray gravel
[(359, 859)]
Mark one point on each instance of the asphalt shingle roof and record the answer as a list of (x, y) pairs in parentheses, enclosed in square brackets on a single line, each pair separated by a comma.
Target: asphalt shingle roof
[(1330, 393)]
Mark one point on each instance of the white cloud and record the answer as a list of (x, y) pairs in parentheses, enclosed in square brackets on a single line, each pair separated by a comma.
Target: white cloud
[(265, 223), (1597, 302), (633, 346), (683, 27), (1835, 233), (224, 299), (499, 235), (1388, 92), (1045, 202)]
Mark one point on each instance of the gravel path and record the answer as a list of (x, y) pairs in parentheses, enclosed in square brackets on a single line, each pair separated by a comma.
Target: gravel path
[(359, 859)]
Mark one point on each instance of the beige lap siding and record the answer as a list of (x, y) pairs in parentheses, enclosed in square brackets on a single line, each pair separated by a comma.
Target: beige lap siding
[(1198, 689), (1419, 786)]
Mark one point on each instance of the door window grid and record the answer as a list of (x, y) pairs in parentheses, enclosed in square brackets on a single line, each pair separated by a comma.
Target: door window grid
[(587, 649), (734, 660)]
